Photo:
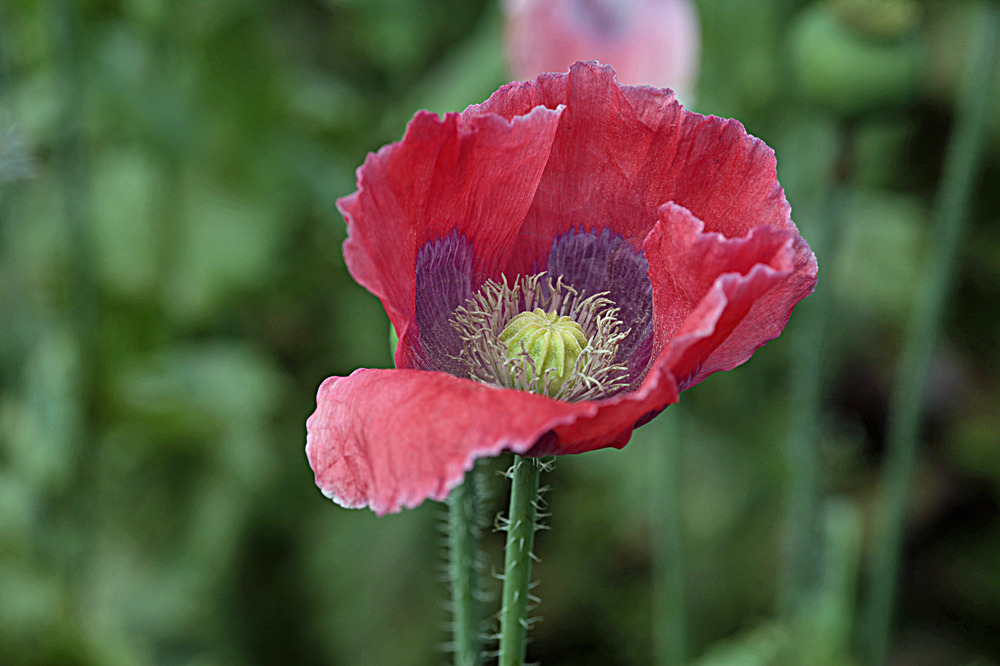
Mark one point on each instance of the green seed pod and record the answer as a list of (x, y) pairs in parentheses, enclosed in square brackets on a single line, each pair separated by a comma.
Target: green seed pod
[(553, 342)]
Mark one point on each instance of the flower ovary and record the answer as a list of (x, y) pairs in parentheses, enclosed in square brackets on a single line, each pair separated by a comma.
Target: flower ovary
[(553, 343)]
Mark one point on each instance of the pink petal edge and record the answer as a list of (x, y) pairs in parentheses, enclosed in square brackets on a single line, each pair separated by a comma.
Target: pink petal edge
[(390, 439)]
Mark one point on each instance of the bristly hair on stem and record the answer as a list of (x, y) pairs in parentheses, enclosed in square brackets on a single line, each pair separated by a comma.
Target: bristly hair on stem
[(465, 565), (521, 525)]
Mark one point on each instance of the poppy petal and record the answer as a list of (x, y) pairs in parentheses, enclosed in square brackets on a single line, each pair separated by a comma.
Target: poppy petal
[(443, 283), (621, 152), (717, 299), (474, 177), (389, 439)]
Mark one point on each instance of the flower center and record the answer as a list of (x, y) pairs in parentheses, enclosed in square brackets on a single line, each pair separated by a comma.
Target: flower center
[(541, 336), (552, 342)]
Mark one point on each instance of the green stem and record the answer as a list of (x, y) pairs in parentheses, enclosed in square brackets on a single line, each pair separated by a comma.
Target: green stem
[(960, 170), (517, 565), (669, 622), (463, 570)]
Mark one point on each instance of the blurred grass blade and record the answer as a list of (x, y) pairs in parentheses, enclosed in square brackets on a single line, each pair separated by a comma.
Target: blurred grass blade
[(962, 162), (802, 544), (835, 608), (16, 160)]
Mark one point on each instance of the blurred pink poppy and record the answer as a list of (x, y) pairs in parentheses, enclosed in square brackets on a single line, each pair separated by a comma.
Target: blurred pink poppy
[(648, 42)]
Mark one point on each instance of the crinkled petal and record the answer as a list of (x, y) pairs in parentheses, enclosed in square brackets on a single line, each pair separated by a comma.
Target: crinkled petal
[(388, 439), (474, 177), (717, 299), (621, 152)]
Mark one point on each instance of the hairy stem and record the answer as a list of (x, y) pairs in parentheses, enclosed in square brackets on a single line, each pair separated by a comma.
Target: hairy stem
[(463, 571), (960, 170), (517, 564)]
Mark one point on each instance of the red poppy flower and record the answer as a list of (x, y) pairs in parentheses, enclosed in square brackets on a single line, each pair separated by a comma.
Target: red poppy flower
[(661, 234)]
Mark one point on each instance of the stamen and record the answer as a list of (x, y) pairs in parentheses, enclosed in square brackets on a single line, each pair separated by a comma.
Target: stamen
[(493, 352)]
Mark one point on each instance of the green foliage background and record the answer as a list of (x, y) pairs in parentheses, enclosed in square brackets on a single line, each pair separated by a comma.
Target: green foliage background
[(172, 292)]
